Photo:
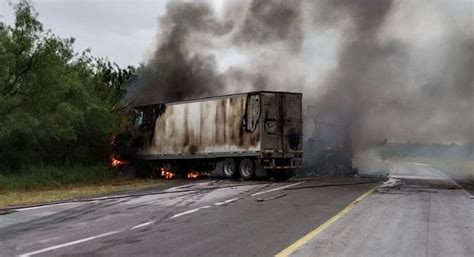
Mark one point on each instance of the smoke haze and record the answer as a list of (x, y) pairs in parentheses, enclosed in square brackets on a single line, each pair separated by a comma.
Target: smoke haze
[(400, 70)]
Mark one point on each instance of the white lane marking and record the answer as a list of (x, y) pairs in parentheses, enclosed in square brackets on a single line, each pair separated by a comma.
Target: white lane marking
[(135, 227), (454, 182), (418, 177), (46, 206), (203, 207), (189, 212), (109, 197), (421, 164), (190, 185), (278, 188), (227, 201), (70, 243), (143, 225)]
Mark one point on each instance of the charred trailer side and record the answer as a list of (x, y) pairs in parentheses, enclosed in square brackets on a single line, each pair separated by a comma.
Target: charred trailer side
[(254, 134)]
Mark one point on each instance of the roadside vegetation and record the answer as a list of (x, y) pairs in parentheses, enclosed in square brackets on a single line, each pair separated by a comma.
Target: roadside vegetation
[(23, 193), (41, 184), (50, 177), (58, 109)]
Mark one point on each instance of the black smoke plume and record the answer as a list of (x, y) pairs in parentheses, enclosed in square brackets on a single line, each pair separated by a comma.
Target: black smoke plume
[(174, 72), (358, 63)]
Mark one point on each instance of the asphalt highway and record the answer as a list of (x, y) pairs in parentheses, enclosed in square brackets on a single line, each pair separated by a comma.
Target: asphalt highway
[(231, 221), (406, 216), (419, 211)]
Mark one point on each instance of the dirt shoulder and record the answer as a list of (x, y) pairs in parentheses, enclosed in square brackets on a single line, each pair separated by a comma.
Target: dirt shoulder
[(40, 196)]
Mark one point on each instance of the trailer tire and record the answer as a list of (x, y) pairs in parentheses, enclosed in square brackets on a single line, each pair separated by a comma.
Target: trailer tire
[(229, 168), (247, 169)]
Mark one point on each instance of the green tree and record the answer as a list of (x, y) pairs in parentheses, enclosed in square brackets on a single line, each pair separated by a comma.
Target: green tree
[(56, 106)]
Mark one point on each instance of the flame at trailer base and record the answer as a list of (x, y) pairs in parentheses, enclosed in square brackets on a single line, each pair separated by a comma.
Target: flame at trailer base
[(115, 162), (167, 174), (193, 174)]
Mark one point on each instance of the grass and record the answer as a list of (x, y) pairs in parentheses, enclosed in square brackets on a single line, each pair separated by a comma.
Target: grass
[(24, 197), (48, 184), (46, 177)]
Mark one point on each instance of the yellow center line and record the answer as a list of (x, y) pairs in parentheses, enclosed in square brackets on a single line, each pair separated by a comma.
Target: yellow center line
[(300, 242)]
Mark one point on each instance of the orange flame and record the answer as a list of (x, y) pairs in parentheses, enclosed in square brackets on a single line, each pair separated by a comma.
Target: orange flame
[(115, 162), (193, 174), (167, 174)]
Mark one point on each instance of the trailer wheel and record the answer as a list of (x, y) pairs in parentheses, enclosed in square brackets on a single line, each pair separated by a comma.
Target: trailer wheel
[(247, 169), (229, 168)]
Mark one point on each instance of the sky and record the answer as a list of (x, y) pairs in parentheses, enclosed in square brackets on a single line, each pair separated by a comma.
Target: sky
[(123, 31)]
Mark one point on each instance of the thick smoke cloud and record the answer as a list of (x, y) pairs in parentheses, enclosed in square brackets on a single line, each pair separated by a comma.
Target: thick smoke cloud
[(358, 81), (375, 66), (371, 89), (268, 21), (174, 72)]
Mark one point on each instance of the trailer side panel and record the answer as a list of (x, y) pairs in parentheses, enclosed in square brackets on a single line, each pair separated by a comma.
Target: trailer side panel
[(212, 126)]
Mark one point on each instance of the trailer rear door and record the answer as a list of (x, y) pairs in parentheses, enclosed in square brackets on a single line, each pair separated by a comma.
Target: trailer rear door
[(272, 141), (292, 124), (282, 124)]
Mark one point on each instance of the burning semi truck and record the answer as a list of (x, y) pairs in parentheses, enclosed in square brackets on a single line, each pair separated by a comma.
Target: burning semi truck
[(330, 150), (247, 135)]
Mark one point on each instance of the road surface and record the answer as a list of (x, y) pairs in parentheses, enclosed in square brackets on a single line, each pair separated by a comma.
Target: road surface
[(406, 217), (418, 212)]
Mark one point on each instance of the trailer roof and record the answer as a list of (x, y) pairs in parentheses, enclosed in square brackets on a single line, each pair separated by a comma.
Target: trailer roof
[(218, 97)]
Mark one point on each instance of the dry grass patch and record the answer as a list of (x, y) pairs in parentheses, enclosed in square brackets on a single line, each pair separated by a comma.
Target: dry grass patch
[(33, 196)]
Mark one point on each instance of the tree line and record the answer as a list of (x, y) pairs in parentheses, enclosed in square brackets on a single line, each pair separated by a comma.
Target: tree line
[(57, 106)]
